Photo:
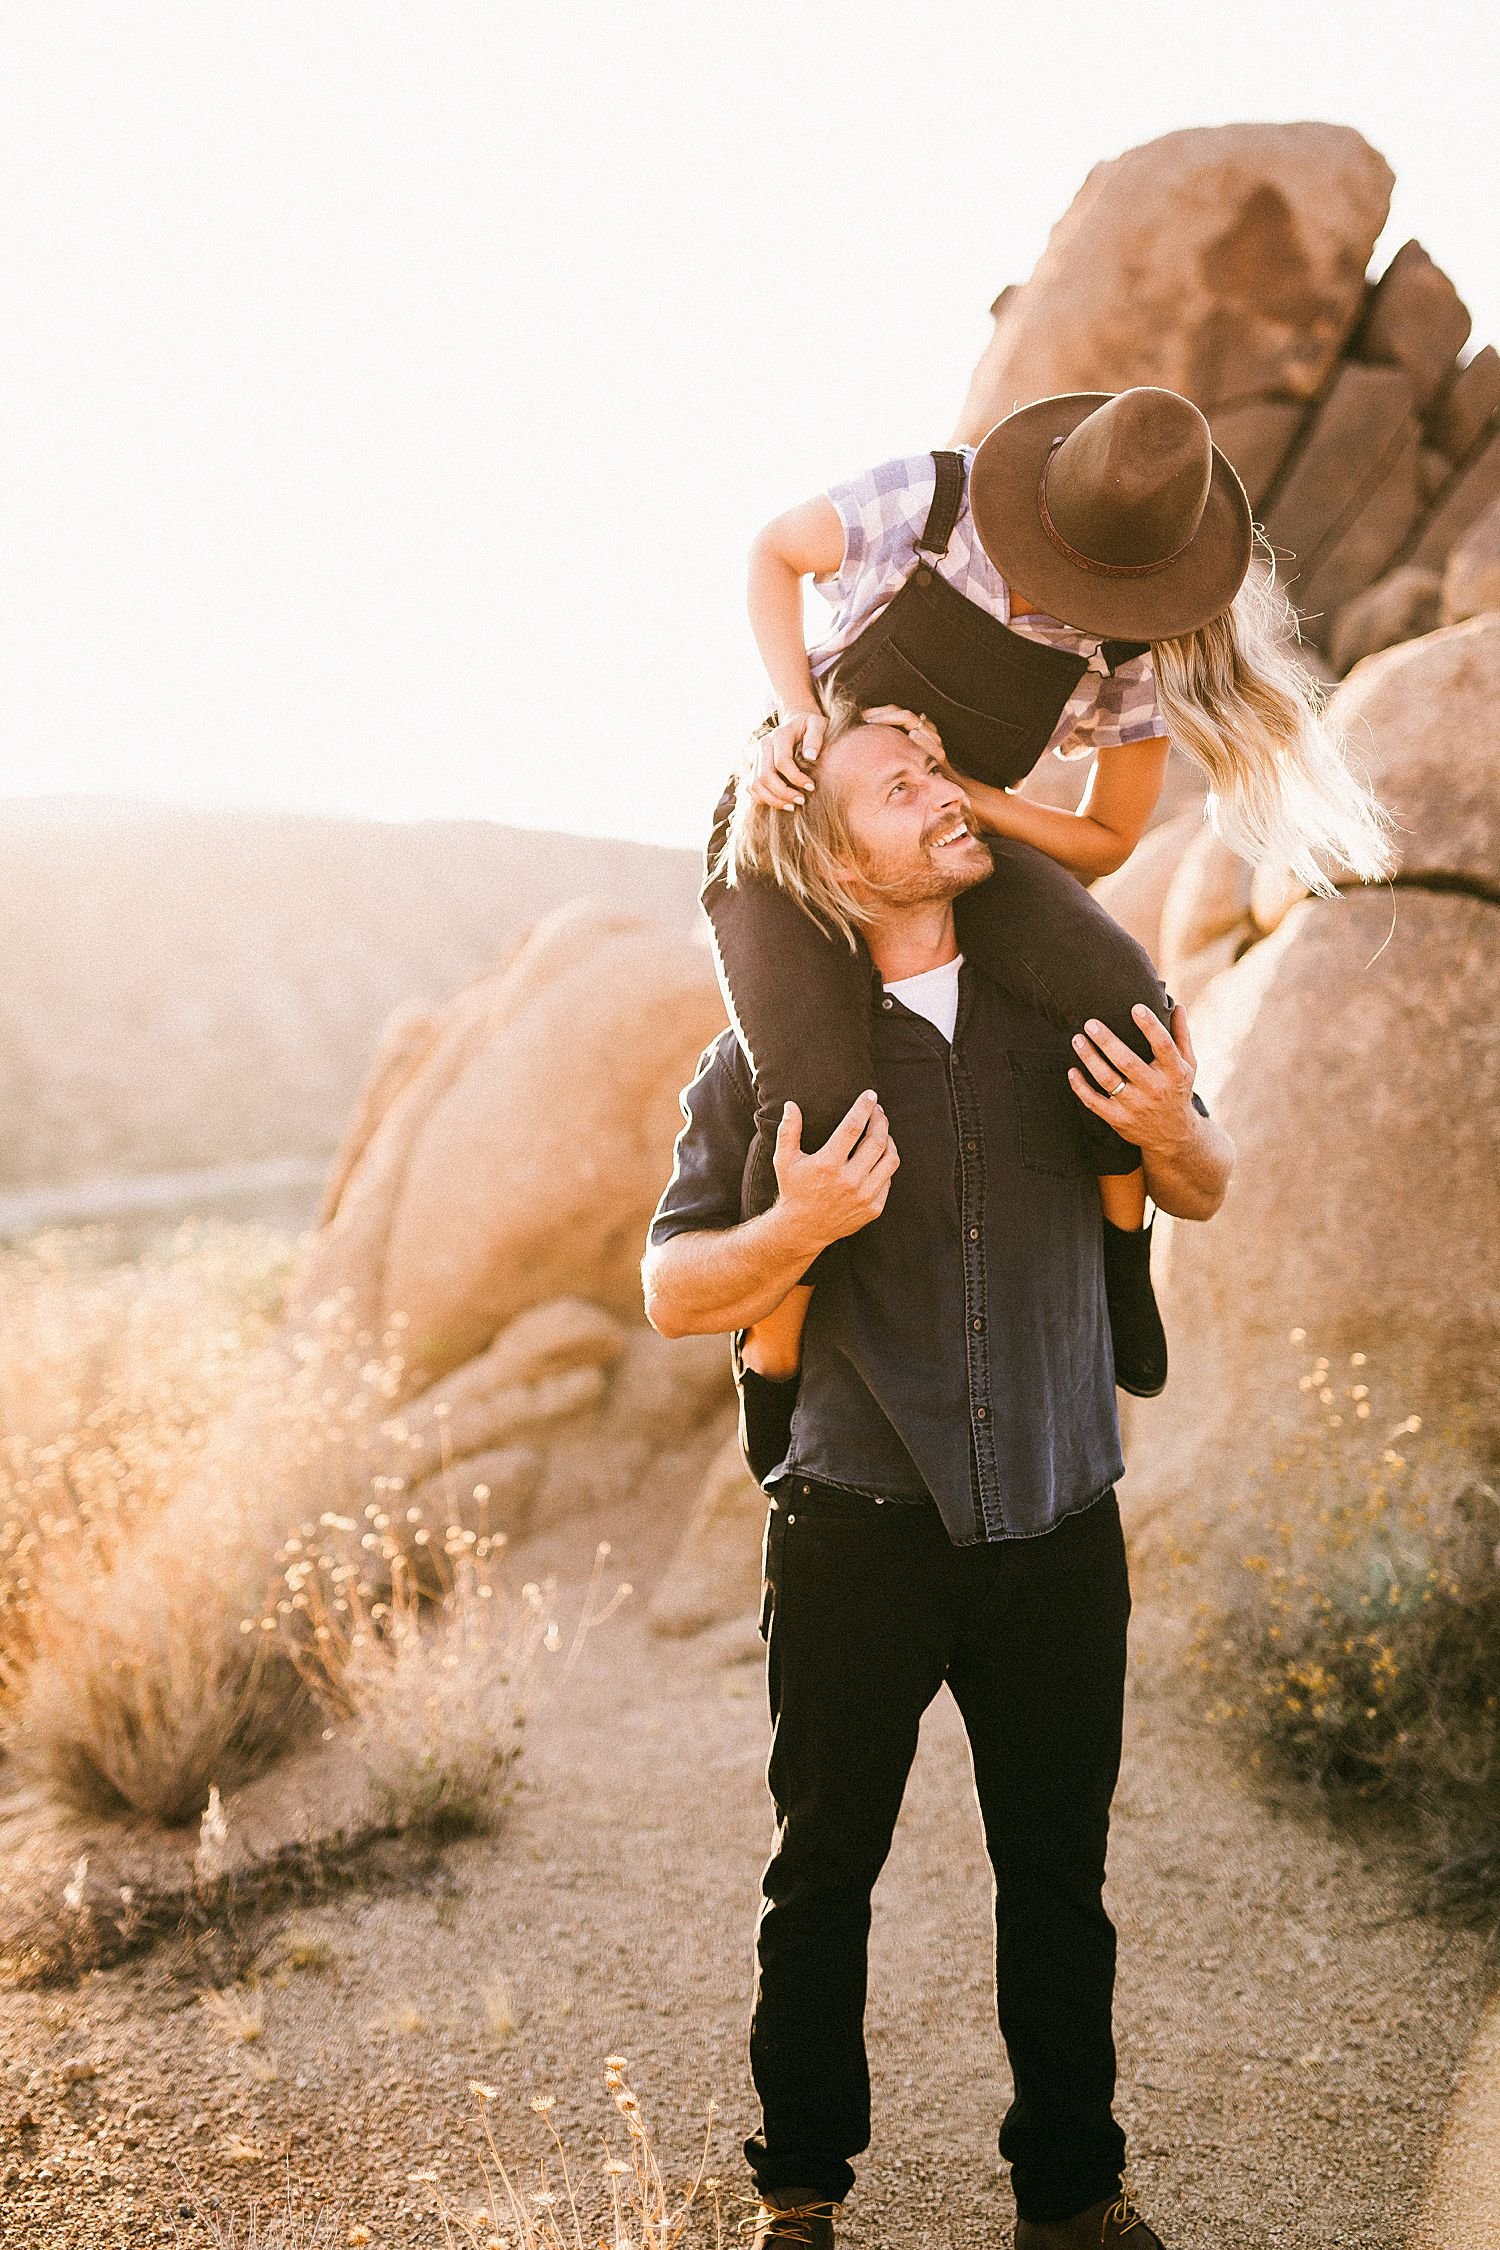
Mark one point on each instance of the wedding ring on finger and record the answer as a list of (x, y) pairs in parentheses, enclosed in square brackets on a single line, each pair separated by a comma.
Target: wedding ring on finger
[(1124, 1082)]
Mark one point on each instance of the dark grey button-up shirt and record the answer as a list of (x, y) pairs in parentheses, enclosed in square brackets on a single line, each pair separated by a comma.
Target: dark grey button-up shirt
[(959, 1347)]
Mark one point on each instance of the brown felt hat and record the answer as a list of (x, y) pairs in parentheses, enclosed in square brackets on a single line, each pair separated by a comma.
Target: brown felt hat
[(1113, 511)]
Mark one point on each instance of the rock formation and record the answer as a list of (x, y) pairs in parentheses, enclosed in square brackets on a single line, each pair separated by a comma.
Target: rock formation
[(510, 1148), (1226, 262), (1229, 262), (1351, 1054), (197, 991)]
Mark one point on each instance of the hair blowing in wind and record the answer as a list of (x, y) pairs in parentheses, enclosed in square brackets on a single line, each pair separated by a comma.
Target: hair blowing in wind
[(1281, 788)]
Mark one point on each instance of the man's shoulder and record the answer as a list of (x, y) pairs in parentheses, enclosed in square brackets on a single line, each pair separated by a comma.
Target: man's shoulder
[(994, 1012), (723, 1082)]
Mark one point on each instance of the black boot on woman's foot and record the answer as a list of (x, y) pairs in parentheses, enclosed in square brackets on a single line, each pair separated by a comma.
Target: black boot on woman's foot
[(1139, 1338)]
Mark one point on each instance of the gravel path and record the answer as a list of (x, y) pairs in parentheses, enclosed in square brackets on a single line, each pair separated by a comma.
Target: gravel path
[(1288, 2048)]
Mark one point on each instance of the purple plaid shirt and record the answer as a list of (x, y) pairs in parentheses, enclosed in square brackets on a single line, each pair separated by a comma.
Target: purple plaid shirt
[(882, 513)]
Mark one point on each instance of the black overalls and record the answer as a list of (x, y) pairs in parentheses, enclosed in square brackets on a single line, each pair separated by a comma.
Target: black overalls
[(799, 997)]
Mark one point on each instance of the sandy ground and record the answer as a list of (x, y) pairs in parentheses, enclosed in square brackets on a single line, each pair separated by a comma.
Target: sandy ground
[(1288, 2043)]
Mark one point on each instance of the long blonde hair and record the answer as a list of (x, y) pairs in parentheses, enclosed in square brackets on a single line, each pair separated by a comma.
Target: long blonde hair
[(1234, 696), (1280, 784), (807, 852)]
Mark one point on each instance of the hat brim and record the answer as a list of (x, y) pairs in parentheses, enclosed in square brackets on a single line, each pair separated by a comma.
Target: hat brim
[(1156, 606)]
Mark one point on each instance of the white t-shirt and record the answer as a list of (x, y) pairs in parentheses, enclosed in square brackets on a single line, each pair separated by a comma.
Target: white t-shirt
[(934, 994)]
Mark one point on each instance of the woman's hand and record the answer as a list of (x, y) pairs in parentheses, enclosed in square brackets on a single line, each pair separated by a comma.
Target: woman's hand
[(777, 778), (915, 723)]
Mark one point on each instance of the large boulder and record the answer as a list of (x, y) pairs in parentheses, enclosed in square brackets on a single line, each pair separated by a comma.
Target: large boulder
[(1352, 1057), (1398, 607), (1420, 721), (1357, 1070), (1135, 893), (715, 1572), (1205, 916), (513, 1148), (1471, 580), (1416, 320), (1225, 261)]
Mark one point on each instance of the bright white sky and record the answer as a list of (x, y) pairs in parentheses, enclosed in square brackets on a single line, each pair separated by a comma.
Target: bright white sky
[(388, 392)]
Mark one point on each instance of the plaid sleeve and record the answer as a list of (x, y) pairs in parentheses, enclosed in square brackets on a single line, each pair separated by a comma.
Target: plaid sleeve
[(1124, 710), (882, 513)]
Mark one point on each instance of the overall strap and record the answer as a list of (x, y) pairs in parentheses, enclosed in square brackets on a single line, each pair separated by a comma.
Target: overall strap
[(947, 499), (1117, 653)]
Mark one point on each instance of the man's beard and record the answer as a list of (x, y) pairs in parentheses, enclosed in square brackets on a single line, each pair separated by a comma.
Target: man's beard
[(939, 874)]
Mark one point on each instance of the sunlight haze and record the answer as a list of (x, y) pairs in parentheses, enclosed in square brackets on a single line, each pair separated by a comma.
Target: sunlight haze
[(390, 393)]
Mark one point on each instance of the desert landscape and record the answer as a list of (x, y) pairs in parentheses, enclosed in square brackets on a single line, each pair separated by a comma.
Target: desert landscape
[(381, 1696)]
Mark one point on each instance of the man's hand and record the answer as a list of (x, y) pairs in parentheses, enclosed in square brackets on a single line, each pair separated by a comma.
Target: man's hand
[(777, 777), (1187, 1157), (843, 1185), (1149, 1103)]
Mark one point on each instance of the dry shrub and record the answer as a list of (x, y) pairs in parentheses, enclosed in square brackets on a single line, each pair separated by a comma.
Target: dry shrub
[(111, 1374), (639, 2210), (1359, 1650), (632, 2208), (434, 1694), (145, 1532), (142, 1664), (264, 2228)]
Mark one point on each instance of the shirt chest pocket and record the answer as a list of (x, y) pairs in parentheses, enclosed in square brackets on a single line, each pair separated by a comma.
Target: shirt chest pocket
[(1049, 1114)]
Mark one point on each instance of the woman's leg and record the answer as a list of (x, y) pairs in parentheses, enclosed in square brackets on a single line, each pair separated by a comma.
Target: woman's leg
[(800, 1003), (1034, 929)]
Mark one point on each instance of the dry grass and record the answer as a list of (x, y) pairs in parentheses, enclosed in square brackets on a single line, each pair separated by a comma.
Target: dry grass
[(637, 2210), (627, 2205), (159, 1431), (1359, 1650), (110, 1377), (143, 1509), (264, 2228)]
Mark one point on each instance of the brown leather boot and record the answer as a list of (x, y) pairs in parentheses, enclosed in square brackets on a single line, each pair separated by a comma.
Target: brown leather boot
[(1100, 2227), (793, 2215)]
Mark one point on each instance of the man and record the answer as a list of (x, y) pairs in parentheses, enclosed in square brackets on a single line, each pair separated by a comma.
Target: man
[(942, 1508)]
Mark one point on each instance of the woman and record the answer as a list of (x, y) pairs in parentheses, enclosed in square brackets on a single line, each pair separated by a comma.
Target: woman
[(1145, 619)]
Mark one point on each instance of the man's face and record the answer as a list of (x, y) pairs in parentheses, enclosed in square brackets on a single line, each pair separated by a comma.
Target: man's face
[(908, 817)]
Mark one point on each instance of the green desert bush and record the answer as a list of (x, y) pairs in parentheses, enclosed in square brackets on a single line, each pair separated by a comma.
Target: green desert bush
[(1359, 1647)]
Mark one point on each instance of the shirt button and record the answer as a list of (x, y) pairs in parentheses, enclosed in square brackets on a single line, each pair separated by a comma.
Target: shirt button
[(880, 1499), (973, 1234), (981, 1413), (888, 1002), (978, 1327), (807, 1492), (971, 1146)]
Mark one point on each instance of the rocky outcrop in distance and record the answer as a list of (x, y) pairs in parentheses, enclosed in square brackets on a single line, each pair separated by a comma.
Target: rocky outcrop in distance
[(193, 990)]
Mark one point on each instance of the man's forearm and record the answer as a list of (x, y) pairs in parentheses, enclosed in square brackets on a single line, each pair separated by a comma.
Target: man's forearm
[(713, 1281), (1188, 1176)]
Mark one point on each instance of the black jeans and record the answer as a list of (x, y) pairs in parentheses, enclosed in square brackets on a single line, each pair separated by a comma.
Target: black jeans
[(800, 998), (868, 1608)]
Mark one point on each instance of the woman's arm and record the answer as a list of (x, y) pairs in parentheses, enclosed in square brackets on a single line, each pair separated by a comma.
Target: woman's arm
[(1111, 818), (806, 540)]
